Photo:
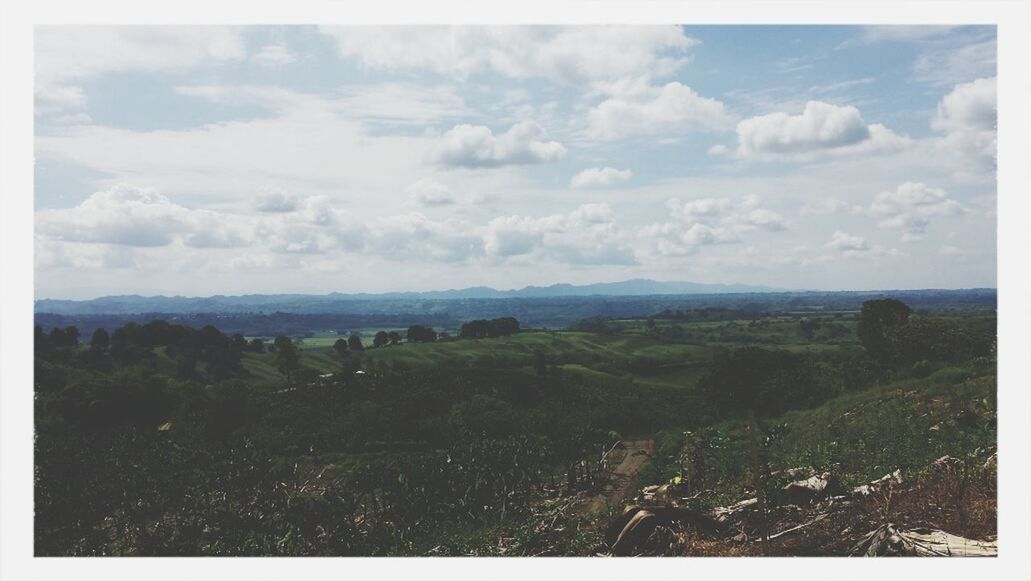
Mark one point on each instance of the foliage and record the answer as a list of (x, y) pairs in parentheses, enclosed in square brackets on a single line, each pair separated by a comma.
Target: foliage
[(482, 328)]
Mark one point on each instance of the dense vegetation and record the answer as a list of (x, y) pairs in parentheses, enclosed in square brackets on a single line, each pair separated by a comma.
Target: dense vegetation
[(161, 438)]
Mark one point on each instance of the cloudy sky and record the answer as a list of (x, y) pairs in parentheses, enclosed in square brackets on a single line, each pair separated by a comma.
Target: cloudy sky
[(204, 161)]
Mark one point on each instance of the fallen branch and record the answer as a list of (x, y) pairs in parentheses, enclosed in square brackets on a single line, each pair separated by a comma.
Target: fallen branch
[(921, 542), (801, 526)]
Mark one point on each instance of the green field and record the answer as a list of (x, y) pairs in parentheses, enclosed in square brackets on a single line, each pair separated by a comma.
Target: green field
[(632, 352)]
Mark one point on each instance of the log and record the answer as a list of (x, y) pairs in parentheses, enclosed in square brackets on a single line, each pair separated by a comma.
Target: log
[(810, 489), (889, 540), (892, 479), (638, 523)]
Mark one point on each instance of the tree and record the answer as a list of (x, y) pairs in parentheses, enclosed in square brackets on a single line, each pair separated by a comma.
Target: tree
[(395, 337), (100, 340), (421, 334), (931, 339), (354, 343), (380, 339), (340, 346), (761, 382), (257, 345), (807, 327), (482, 328), (877, 320), (288, 359)]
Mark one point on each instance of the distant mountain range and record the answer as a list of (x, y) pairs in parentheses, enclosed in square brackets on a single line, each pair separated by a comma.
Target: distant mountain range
[(322, 303), (633, 287)]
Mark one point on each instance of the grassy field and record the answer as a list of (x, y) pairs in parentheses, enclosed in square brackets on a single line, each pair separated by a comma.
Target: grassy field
[(659, 352), (566, 349)]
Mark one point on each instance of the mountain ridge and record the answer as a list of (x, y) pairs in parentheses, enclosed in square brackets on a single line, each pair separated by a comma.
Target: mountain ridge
[(257, 301)]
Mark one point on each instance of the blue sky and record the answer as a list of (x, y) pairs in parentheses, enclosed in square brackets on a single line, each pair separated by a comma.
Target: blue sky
[(233, 160)]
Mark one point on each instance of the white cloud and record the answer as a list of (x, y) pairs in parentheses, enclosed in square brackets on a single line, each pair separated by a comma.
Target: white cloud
[(904, 33), (55, 98), (857, 246), (821, 128), (600, 177), (564, 54), (842, 241), (911, 206), (967, 119), (273, 55), (393, 102), (130, 216), (512, 235), (710, 221), (429, 192), (476, 146), (276, 202), (67, 55), (586, 236), (591, 214), (636, 107), (823, 206), (413, 236), (701, 208), (308, 149), (946, 54), (948, 65), (765, 219)]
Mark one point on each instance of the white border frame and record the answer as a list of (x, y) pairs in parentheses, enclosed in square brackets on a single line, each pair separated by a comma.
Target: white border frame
[(1013, 19)]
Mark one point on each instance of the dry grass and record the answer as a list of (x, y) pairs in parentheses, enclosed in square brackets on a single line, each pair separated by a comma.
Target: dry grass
[(956, 497)]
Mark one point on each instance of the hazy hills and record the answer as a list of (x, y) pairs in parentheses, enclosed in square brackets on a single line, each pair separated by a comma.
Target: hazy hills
[(322, 303)]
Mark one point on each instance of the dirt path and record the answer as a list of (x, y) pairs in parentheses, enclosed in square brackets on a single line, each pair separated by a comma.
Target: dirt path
[(625, 464)]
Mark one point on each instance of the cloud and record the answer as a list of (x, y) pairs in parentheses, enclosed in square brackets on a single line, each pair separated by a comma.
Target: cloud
[(821, 128), (564, 54), (947, 65), (967, 119), (740, 215), (413, 236), (946, 54), (276, 203), (911, 206), (67, 55), (904, 33), (273, 55), (476, 146), (823, 207), (49, 254), (130, 216), (710, 221), (513, 235), (383, 103), (842, 241), (429, 192), (55, 98), (586, 236), (600, 177), (636, 107), (857, 246)]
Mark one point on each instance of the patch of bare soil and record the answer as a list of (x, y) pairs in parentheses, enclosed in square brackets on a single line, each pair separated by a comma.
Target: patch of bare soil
[(624, 462)]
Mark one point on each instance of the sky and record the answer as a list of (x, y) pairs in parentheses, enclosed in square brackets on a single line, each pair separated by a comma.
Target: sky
[(237, 160)]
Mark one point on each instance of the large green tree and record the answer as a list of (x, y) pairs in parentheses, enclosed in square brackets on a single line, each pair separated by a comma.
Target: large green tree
[(288, 358), (877, 320)]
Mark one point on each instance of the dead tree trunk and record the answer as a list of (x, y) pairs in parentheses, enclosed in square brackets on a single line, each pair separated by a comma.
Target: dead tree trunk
[(757, 481)]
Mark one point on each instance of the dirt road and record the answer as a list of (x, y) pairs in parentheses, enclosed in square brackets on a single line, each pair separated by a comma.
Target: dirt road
[(624, 465)]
